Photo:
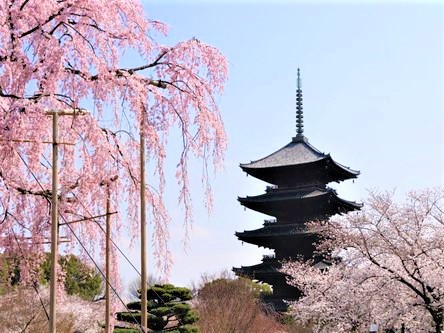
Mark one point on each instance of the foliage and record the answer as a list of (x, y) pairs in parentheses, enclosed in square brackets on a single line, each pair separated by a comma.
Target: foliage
[(232, 305), (69, 55), (260, 288), (391, 268), (257, 288), (9, 273), (168, 309), (292, 326), (126, 330), (79, 278), (24, 311)]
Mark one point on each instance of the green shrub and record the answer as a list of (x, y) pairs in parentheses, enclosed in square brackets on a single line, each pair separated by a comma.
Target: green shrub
[(126, 330), (167, 306), (80, 279)]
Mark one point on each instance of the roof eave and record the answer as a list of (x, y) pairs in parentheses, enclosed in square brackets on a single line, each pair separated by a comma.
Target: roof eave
[(353, 173)]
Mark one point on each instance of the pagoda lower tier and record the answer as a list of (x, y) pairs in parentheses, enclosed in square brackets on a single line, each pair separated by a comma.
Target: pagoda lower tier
[(269, 272), (290, 241), (305, 203), (277, 302)]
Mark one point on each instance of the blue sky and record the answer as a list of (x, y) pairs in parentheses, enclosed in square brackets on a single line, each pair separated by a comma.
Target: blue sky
[(372, 78)]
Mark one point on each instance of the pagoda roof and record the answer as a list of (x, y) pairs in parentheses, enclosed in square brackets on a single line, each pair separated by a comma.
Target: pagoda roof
[(279, 236), (273, 202), (287, 239), (269, 265), (270, 268), (275, 231), (298, 153), (288, 194)]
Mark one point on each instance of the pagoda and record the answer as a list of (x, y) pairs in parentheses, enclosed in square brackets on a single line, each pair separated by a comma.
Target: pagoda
[(298, 174)]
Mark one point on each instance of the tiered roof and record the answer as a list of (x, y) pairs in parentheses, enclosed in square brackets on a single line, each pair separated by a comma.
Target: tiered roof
[(300, 173), (300, 204), (295, 159)]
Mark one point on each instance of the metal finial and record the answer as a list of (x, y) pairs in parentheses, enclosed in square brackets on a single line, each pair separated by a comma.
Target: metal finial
[(299, 113), (299, 79)]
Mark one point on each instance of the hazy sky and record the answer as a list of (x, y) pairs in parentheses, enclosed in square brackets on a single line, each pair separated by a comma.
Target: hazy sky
[(372, 77)]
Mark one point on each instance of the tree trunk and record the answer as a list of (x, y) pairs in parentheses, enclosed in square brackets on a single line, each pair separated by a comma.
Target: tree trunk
[(438, 320)]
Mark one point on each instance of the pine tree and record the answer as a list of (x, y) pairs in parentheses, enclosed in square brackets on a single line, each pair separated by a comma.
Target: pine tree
[(168, 310)]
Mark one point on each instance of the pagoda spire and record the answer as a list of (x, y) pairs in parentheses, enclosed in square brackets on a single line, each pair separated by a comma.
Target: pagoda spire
[(299, 112)]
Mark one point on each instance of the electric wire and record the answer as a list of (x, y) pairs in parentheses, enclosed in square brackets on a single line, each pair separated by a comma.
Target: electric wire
[(103, 275), (83, 247), (34, 282), (116, 246), (89, 255), (123, 254)]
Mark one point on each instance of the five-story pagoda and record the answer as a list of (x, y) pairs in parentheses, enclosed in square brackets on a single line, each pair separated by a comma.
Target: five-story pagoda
[(299, 174)]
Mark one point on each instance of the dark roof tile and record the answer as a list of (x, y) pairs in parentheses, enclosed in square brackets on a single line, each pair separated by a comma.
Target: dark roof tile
[(299, 151)]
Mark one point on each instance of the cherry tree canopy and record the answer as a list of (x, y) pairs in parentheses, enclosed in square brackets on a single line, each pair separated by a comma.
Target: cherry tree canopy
[(67, 55), (390, 272)]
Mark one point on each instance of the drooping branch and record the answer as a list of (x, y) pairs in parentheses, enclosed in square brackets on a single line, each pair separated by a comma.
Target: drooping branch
[(68, 54), (48, 20)]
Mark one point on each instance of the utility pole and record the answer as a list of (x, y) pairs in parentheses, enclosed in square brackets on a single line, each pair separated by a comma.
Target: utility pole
[(108, 265), (54, 225), (144, 309), (55, 215), (108, 254)]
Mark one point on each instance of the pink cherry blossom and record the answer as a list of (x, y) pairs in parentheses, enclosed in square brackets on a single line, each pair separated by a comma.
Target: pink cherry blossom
[(58, 55), (390, 272)]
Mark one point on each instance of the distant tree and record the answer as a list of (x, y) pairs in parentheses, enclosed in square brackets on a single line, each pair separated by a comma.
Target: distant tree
[(9, 273), (256, 288), (135, 285), (79, 278), (233, 305), (391, 272), (168, 310), (25, 310)]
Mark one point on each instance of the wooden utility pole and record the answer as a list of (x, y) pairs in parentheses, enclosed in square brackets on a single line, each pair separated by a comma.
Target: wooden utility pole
[(108, 254), (108, 265), (144, 309), (54, 225), (55, 215)]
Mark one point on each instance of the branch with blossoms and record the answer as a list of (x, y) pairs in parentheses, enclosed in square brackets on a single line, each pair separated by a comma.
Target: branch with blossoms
[(68, 54), (392, 258)]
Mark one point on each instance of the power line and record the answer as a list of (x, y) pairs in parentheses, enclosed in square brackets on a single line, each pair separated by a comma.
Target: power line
[(98, 268), (89, 255), (83, 247), (127, 259), (117, 247), (34, 283)]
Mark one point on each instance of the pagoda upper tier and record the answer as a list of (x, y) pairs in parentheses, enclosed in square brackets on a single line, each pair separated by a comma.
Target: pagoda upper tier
[(298, 163), (299, 204)]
